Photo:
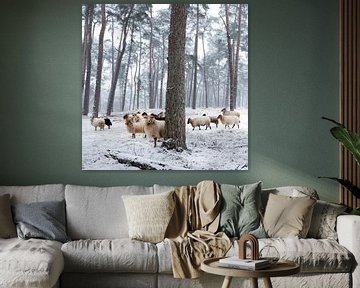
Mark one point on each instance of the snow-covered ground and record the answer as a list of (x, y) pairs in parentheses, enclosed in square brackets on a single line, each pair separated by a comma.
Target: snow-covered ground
[(215, 149)]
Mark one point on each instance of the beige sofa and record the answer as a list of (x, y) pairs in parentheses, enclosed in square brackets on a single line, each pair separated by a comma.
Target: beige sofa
[(102, 255)]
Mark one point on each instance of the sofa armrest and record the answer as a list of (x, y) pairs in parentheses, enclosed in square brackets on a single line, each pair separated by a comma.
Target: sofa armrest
[(348, 230)]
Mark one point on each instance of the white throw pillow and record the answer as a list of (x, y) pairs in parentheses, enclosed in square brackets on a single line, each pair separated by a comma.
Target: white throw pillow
[(149, 215)]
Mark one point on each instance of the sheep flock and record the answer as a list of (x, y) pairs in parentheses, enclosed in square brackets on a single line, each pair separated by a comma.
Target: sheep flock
[(152, 126)]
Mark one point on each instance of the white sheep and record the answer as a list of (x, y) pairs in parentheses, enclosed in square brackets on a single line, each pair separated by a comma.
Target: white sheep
[(199, 121), (154, 128), (225, 112), (134, 125), (213, 119), (97, 122), (228, 120)]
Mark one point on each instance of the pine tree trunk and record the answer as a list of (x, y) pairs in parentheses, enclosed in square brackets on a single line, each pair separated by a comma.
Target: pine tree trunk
[(122, 46), (138, 86), (230, 57), (195, 59), (162, 72), (127, 68), (205, 76), (175, 91), (236, 68), (151, 65), (100, 63), (88, 44)]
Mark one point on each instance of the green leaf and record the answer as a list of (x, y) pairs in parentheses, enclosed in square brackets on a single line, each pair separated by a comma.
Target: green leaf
[(347, 184), (349, 139)]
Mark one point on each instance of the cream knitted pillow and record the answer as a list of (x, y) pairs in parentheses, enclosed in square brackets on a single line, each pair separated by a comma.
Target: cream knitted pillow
[(149, 215)]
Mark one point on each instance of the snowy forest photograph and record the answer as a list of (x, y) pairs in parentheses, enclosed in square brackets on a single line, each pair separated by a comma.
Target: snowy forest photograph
[(164, 86)]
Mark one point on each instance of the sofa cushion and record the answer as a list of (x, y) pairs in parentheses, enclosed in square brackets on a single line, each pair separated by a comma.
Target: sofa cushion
[(109, 280), (323, 222), (7, 226), (34, 193), (44, 220), (116, 255), (240, 212), (98, 213), (287, 216), (291, 191), (313, 255), (30, 263), (148, 215)]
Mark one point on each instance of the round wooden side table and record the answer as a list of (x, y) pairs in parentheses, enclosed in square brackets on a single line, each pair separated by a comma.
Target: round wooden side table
[(281, 268)]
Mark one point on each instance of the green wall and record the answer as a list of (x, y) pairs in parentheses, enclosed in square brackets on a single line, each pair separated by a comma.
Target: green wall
[(293, 82)]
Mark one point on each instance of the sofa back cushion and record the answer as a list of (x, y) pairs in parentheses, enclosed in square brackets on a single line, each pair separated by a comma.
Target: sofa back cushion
[(290, 191), (288, 217), (98, 212), (35, 193)]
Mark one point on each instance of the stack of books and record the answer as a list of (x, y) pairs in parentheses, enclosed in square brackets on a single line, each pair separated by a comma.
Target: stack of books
[(248, 264)]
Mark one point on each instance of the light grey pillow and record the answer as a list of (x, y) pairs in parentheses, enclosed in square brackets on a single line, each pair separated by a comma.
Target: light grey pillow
[(323, 221), (240, 213), (44, 220), (7, 226)]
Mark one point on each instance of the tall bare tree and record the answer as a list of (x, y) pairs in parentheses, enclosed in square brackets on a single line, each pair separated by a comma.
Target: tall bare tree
[(100, 62), (230, 57), (175, 90), (204, 71), (236, 66), (120, 55), (127, 67), (151, 63), (193, 106), (86, 60)]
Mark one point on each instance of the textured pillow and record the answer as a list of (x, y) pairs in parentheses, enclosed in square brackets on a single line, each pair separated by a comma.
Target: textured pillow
[(323, 222), (7, 226), (240, 210), (44, 220), (288, 217), (149, 215)]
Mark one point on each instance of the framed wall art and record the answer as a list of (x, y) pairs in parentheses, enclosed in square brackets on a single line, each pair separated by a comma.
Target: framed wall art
[(164, 87)]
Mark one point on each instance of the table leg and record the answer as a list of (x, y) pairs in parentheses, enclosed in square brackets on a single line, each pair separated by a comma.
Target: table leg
[(227, 282), (267, 283), (254, 282)]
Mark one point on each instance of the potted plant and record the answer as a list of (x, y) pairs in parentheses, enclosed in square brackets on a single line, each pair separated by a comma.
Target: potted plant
[(351, 141)]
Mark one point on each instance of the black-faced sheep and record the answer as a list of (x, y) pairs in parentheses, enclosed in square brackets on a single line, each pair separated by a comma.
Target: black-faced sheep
[(160, 116), (154, 128), (226, 112), (108, 122), (134, 126), (199, 121), (228, 120), (97, 122)]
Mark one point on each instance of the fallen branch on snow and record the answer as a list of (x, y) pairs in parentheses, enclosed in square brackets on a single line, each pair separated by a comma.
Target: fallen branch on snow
[(141, 166)]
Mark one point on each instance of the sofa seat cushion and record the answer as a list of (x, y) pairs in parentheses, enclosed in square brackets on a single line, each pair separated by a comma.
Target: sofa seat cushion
[(30, 263), (110, 255), (313, 255)]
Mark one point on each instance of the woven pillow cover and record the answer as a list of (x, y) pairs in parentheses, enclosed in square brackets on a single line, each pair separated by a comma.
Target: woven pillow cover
[(148, 215)]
